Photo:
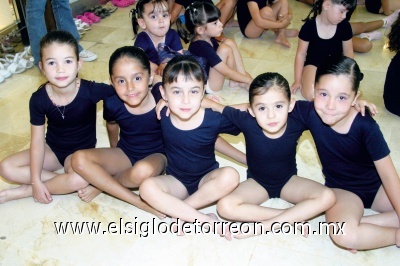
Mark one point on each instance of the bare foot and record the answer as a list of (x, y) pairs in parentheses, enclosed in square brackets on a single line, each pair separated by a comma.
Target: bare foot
[(233, 84), (222, 228), (291, 33), (352, 250), (252, 231), (20, 192), (175, 228), (304, 228), (281, 39), (398, 238), (88, 193)]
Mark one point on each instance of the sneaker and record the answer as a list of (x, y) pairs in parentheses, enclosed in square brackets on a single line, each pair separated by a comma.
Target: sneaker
[(388, 21), (371, 36), (87, 56)]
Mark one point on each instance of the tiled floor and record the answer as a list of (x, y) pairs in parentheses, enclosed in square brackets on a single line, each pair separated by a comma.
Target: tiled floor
[(27, 232)]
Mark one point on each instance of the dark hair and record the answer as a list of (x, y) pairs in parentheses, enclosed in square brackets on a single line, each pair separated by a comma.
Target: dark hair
[(183, 65), (137, 12), (340, 65), (264, 82), (196, 14), (394, 36), (60, 37), (132, 52), (317, 7)]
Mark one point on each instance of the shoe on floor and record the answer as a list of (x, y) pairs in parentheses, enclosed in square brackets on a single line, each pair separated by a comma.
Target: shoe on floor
[(87, 56), (371, 36), (388, 21)]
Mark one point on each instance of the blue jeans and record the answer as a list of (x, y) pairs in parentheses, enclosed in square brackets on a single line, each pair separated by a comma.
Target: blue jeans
[(36, 24)]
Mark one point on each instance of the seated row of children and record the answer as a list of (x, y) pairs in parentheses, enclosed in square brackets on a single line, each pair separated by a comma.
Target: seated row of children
[(354, 155)]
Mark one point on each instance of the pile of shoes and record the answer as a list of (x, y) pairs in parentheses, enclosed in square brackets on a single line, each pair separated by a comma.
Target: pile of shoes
[(93, 15), (15, 63)]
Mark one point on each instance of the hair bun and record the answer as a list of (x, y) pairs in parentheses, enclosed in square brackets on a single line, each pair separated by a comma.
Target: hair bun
[(361, 76)]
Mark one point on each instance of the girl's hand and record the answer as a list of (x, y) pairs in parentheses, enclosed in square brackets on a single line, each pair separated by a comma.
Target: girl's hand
[(160, 69), (160, 105), (285, 21), (40, 193), (360, 106), (295, 87)]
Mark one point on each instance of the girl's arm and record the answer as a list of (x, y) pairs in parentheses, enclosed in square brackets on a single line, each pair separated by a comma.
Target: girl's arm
[(390, 180), (113, 133), (37, 150), (154, 68), (299, 65), (348, 48), (232, 74), (264, 23), (176, 9), (217, 107)]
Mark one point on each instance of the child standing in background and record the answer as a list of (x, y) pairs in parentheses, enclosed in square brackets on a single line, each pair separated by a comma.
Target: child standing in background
[(326, 33), (271, 137), (223, 60), (153, 18), (138, 153), (68, 104), (257, 16), (355, 159), (391, 91), (194, 179)]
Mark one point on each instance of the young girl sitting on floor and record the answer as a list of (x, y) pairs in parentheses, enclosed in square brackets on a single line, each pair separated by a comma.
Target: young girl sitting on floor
[(326, 33), (257, 16), (223, 60), (194, 179), (69, 105), (271, 136), (138, 153), (355, 159), (153, 18)]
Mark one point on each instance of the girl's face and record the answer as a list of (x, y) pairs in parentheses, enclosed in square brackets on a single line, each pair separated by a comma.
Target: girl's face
[(130, 80), (155, 19), (213, 29), (271, 111), (184, 97), (334, 99), (336, 13), (59, 64)]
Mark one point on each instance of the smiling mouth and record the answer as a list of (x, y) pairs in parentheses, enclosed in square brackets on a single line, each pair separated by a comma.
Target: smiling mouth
[(61, 78), (132, 95)]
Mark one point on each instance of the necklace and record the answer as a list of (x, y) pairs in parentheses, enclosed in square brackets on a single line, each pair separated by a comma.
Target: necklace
[(50, 93)]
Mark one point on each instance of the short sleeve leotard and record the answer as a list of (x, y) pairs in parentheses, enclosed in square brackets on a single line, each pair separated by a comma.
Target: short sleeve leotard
[(190, 153), (144, 41), (206, 50), (391, 91), (348, 159), (318, 48), (244, 16), (271, 162), (77, 130), (140, 135)]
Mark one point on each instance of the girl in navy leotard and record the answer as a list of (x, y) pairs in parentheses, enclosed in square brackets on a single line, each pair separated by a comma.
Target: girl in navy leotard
[(138, 153), (194, 179), (153, 17), (201, 26), (69, 105), (271, 135), (355, 159), (326, 33)]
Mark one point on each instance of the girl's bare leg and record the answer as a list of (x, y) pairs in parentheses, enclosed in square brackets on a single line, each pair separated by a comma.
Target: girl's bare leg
[(216, 79), (358, 236), (163, 192), (310, 199), (16, 168), (98, 166), (307, 88)]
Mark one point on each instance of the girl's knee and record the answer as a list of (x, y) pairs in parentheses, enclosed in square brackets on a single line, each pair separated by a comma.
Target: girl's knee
[(229, 178), (267, 13), (6, 169), (226, 207), (77, 182), (141, 171), (348, 239), (327, 198), (148, 189), (363, 47), (79, 160)]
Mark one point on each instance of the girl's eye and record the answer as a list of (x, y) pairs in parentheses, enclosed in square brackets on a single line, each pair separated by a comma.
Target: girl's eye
[(176, 92), (138, 78), (120, 81), (262, 108), (153, 17), (52, 63), (342, 98), (69, 61), (323, 94), (165, 15), (195, 91), (279, 106)]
